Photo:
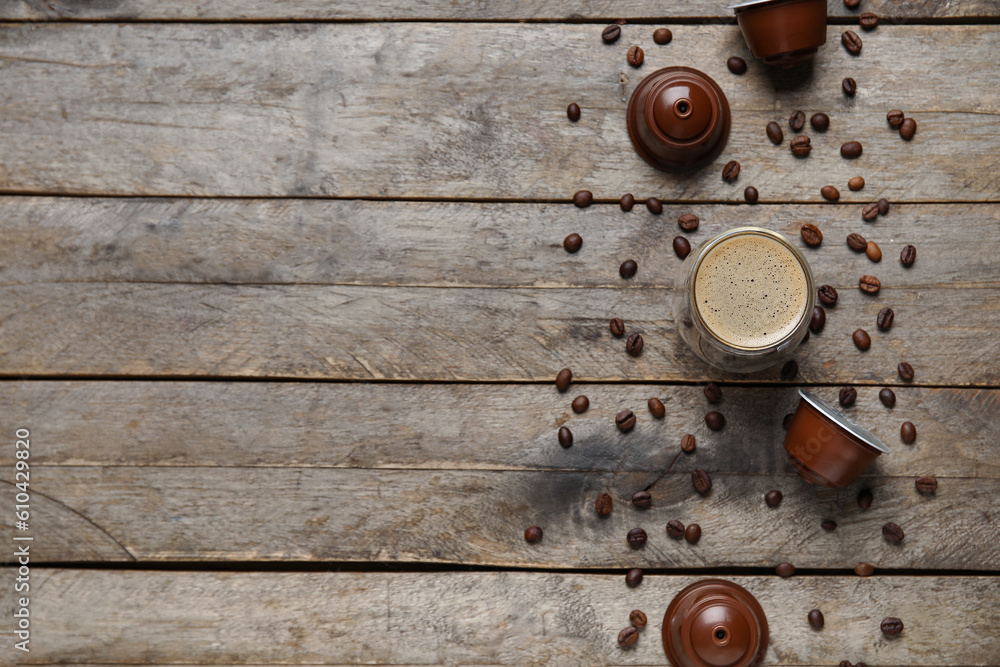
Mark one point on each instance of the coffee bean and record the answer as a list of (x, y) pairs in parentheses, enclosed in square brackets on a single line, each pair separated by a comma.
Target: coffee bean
[(811, 234), (830, 193), (580, 404), (829, 525), (625, 421), (864, 569), (626, 202), (603, 504), (847, 396), (852, 4), (908, 433), (656, 408), (850, 86), (891, 625), (851, 150), (818, 320), (865, 498), (628, 636), (702, 481), (801, 146), (583, 198), (715, 421), (908, 129), (785, 570), (862, 339), (869, 284), (573, 111), (633, 577), (628, 269), (573, 243), (713, 392), (773, 498), (884, 319), (565, 437), (617, 327), (634, 345), (635, 56), (736, 65), (750, 194), (682, 247), (687, 443), (692, 533), (856, 183), (828, 295), (637, 618), (908, 255), (905, 371), (654, 205), (636, 538), (786, 421), (868, 21), (856, 242), (774, 133), (883, 206), (870, 212), (887, 396), (820, 122), (642, 499), (675, 529), (688, 222), (852, 42), (895, 117), (563, 379), (797, 120), (926, 484), (816, 619), (611, 34), (731, 171), (873, 251), (789, 370), (532, 534), (662, 36), (892, 533)]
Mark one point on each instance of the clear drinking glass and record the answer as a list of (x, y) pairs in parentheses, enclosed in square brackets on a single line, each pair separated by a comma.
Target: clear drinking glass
[(731, 320)]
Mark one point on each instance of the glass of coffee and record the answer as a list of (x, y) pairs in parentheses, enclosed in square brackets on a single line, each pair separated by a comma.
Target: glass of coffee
[(746, 300)]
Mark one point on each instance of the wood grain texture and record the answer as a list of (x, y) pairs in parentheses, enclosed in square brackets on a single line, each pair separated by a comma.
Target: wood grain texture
[(504, 618), (456, 244), (471, 427), (390, 110), (478, 518)]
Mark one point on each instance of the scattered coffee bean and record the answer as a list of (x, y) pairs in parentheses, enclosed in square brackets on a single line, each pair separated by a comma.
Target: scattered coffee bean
[(868, 21), (774, 133), (628, 636), (773, 498), (908, 255), (811, 234), (785, 570), (603, 504), (852, 42), (713, 392), (891, 625), (682, 247), (662, 36), (583, 198), (565, 437), (828, 294), (870, 212), (862, 339), (856, 183), (628, 269), (786, 421), (797, 120), (864, 569), (816, 619), (905, 371), (573, 243), (532, 534), (850, 86), (634, 345), (563, 379), (829, 525), (789, 370), (820, 122), (869, 284), (883, 206), (656, 408), (908, 129), (926, 484), (625, 420), (884, 319), (580, 404), (895, 117), (908, 433), (633, 577), (635, 56), (688, 222), (637, 618), (847, 396), (801, 146), (654, 205), (687, 443), (573, 111), (715, 421), (865, 498), (873, 251), (701, 480), (736, 65), (675, 529), (851, 150), (617, 327), (692, 533), (892, 533), (856, 242), (642, 499), (852, 4), (731, 171), (636, 538), (830, 193), (750, 194), (611, 34), (627, 202), (887, 396)]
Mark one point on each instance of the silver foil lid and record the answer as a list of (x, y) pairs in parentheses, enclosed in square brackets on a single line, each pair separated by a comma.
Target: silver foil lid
[(747, 3), (843, 420)]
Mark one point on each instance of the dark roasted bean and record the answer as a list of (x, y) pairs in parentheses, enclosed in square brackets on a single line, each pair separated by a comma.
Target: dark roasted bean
[(828, 294), (637, 619), (617, 327), (627, 202), (883, 206), (851, 150), (573, 111), (864, 569), (852, 42), (625, 420), (828, 525), (662, 36), (634, 345), (856, 242), (715, 421), (731, 171), (565, 437), (654, 205), (905, 371), (573, 243), (873, 251), (773, 498), (563, 379), (926, 484), (636, 538), (687, 443), (884, 319), (870, 212), (611, 34), (868, 21), (908, 255), (847, 396), (688, 222), (702, 481), (774, 133), (852, 4), (789, 370), (682, 247), (583, 198), (895, 117), (628, 269), (891, 625), (692, 533), (816, 619), (786, 421), (850, 86), (856, 183), (869, 284), (736, 65), (580, 404), (892, 533), (862, 339), (532, 534), (656, 408), (635, 56), (785, 570), (811, 234), (628, 636), (908, 129), (908, 433), (820, 122), (713, 392), (797, 120), (887, 396), (750, 194), (675, 529), (830, 193), (603, 504), (642, 499), (801, 146), (633, 577), (865, 498)]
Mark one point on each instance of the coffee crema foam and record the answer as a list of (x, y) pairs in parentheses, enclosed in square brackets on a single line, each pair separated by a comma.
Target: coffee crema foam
[(751, 291)]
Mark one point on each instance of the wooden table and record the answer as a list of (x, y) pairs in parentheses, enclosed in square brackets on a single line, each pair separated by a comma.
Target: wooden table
[(283, 298)]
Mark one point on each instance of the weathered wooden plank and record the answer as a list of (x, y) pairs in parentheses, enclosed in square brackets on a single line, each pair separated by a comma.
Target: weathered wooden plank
[(479, 517), (406, 333), (456, 244), (467, 110), (470, 427), (462, 618)]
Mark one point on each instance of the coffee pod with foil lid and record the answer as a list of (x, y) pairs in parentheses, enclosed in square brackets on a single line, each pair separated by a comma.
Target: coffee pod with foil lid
[(782, 32)]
